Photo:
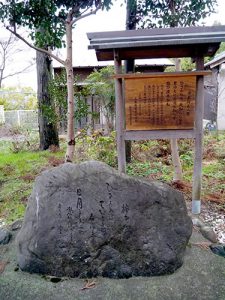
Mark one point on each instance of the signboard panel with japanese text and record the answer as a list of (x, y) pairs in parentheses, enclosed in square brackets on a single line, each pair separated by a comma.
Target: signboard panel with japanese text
[(160, 102)]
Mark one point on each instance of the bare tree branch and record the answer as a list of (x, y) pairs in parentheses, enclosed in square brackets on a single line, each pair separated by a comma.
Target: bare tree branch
[(7, 48), (36, 48), (18, 72)]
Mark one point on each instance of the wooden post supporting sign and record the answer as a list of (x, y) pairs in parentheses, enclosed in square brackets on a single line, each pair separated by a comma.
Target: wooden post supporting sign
[(197, 176), (119, 116)]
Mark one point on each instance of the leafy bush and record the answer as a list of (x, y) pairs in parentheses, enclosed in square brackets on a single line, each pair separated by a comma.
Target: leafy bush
[(27, 142), (97, 147)]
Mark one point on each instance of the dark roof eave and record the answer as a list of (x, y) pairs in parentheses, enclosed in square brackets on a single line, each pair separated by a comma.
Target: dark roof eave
[(207, 38), (157, 32), (158, 52), (173, 42)]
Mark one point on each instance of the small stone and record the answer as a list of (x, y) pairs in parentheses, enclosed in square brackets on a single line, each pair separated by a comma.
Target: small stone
[(16, 225), (2, 223), (218, 249), (5, 236)]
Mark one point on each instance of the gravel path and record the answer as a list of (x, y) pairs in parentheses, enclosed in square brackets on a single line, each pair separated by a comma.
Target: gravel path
[(213, 217)]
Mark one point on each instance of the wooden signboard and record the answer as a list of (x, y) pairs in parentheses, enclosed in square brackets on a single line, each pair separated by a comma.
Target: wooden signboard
[(159, 102)]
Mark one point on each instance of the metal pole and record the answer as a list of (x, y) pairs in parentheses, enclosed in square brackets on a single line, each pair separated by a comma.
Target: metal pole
[(119, 116), (199, 109)]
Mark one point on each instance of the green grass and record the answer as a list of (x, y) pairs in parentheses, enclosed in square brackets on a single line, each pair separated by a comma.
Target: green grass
[(17, 174), (20, 163)]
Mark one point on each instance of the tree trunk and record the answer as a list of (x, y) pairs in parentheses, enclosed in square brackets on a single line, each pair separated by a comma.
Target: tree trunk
[(70, 96), (47, 130), (174, 145), (129, 64)]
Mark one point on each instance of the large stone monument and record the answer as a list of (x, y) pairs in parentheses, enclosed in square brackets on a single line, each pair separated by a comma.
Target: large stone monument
[(88, 220)]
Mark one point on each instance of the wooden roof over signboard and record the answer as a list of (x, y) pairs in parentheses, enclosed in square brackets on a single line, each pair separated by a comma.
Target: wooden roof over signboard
[(157, 43), (216, 61)]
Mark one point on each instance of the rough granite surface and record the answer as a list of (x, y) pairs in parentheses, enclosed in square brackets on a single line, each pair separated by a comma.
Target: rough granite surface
[(87, 220)]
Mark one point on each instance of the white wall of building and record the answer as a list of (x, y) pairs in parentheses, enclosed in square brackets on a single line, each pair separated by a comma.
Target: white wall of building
[(221, 98)]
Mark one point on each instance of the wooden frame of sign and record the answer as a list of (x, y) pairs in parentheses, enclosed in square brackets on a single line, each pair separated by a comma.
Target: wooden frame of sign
[(161, 106), (160, 101)]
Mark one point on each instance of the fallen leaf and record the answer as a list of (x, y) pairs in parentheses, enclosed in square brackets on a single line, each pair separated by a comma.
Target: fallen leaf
[(89, 285), (202, 245), (3, 264)]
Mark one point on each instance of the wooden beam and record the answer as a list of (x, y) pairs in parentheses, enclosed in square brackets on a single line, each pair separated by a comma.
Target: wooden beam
[(120, 116), (197, 176), (162, 74), (158, 134), (169, 51)]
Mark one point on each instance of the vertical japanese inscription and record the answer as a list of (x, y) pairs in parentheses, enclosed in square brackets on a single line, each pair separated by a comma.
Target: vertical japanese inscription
[(79, 204), (161, 105), (160, 102), (125, 210), (60, 228), (92, 227), (168, 93), (69, 213), (109, 191), (70, 216)]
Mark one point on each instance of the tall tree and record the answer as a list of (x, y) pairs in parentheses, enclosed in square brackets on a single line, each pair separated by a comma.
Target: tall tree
[(48, 132), (171, 13), (131, 21), (58, 18), (11, 47)]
